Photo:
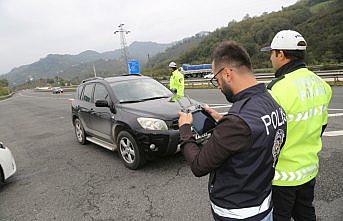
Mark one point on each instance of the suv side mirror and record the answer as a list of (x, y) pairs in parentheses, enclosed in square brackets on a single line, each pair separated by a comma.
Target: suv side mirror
[(101, 103), (2, 145)]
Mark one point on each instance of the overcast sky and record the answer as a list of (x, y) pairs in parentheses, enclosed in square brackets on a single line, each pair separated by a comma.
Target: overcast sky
[(31, 29)]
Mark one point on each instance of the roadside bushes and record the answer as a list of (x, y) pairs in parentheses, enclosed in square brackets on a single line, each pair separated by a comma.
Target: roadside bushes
[(4, 91)]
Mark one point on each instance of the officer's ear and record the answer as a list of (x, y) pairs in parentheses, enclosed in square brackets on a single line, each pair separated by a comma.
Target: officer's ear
[(228, 74), (279, 54)]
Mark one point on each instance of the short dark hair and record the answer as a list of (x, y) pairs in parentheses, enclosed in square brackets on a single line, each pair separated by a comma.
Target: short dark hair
[(294, 54), (231, 53)]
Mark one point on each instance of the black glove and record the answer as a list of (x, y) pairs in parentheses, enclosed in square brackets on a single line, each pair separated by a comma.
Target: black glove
[(173, 90)]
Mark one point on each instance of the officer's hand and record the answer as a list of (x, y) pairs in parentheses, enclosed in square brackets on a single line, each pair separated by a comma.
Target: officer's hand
[(212, 112), (185, 118), (173, 90)]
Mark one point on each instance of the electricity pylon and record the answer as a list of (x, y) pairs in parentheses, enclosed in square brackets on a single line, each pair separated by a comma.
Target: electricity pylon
[(124, 51)]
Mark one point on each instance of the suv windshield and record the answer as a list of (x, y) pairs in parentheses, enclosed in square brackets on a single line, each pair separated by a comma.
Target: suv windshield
[(139, 90)]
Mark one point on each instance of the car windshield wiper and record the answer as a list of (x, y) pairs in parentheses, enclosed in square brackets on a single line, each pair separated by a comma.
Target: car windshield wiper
[(145, 99), (131, 101), (155, 98)]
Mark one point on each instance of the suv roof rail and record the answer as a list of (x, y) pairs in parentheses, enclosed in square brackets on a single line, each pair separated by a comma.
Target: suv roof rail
[(92, 78), (129, 75)]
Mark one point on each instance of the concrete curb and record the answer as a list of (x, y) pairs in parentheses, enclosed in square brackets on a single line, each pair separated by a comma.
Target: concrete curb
[(6, 96)]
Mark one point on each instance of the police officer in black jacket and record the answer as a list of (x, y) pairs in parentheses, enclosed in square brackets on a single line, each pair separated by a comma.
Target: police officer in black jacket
[(243, 149)]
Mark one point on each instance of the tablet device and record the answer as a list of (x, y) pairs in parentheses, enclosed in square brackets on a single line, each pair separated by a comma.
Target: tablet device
[(203, 122)]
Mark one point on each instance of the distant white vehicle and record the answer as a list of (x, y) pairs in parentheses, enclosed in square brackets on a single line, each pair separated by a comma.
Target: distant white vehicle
[(7, 164), (57, 90), (209, 76)]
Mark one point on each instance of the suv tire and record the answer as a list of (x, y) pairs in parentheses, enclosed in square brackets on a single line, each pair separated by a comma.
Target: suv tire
[(129, 152), (2, 177), (80, 132)]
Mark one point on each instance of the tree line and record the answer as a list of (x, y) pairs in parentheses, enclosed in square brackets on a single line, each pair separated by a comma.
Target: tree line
[(319, 21)]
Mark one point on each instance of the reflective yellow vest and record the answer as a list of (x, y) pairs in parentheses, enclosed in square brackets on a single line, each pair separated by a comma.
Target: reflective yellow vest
[(305, 98), (177, 82)]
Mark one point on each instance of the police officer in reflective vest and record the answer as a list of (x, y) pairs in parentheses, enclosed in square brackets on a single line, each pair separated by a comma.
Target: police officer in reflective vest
[(176, 82), (305, 98), (243, 149)]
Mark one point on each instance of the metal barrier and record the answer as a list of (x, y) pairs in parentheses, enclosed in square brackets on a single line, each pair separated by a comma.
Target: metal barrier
[(329, 76)]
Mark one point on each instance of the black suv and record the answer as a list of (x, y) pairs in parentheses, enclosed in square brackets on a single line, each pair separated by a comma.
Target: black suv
[(135, 114)]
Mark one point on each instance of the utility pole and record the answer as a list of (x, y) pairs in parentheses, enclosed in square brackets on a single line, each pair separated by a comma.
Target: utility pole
[(124, 50), (94, 71)]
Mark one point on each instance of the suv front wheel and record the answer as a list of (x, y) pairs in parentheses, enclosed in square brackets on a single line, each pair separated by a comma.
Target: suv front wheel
[(129, 152)]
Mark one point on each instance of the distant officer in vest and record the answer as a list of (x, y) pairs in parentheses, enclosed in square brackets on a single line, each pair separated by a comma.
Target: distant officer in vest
[(305, 98), (242, 151), (176, 82)]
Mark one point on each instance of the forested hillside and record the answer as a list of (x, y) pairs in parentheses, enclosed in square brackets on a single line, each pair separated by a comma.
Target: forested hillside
[(320, 22)]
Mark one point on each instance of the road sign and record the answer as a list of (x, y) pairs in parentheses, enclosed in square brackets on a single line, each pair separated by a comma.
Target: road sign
[(133, 66)]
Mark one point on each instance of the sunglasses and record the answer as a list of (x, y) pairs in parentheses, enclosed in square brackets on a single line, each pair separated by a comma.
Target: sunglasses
[(213, 80)]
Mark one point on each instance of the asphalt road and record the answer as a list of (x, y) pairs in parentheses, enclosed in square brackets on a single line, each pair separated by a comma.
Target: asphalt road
[(58, 179)]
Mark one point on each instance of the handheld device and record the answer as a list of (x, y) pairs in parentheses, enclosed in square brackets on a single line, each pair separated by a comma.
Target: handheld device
[(203, 122)]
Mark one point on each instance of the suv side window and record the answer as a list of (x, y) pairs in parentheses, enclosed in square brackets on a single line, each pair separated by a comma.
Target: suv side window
[(100, 93), (78, 92), (87, 93)]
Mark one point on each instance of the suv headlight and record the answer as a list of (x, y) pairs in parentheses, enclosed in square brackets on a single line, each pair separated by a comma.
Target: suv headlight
[(152, 123)]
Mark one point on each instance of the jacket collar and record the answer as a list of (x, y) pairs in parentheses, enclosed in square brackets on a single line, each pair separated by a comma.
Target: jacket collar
[(249, 92), (289, 67)]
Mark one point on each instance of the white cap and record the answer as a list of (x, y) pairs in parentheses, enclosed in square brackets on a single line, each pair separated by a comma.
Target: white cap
[(172, 64), (287, 40)]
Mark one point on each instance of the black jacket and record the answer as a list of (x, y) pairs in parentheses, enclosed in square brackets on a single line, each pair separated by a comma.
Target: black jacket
[(240, 155)]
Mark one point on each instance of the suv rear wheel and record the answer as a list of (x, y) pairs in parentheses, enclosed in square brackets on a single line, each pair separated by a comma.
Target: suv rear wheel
[(131, 155), (79, 131)]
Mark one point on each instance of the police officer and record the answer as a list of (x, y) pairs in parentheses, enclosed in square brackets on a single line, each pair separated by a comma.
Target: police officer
[(242, 151), (305, 98), (176, 82)]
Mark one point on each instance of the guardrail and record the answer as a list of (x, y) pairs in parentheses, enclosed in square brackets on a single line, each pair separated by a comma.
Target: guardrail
[(329, 76), (65, 89)]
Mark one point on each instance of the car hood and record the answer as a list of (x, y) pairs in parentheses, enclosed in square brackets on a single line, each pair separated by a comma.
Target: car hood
[(165, 108)]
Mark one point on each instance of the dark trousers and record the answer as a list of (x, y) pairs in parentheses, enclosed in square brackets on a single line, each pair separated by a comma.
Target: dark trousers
[(294, 201)]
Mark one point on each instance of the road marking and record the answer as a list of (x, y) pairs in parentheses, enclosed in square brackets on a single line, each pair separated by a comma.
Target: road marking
[(220, 106), (5, 100), (333, 133), (335, 115), (335, 109), (59, 98)]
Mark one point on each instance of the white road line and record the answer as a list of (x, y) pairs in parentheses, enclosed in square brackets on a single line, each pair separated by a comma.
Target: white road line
[(60, 98), (5, 100), (219, 104), (335, 109), (215, 107), (333, 133), (335, 115)]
